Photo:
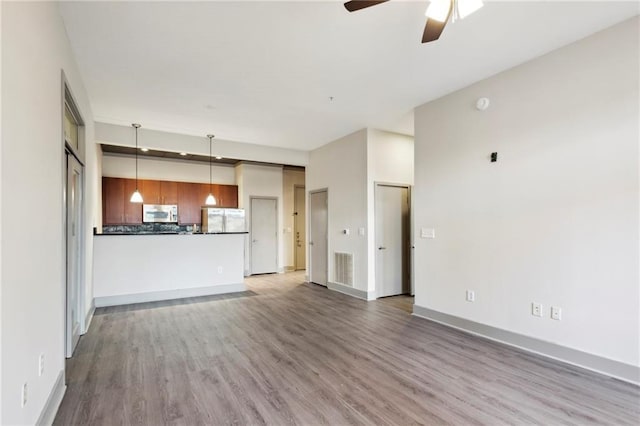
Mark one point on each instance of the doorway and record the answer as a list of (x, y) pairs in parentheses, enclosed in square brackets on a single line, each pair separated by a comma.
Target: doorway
[(299, 225), (74, 253), (318, 231), (392, 223), (264, 235)]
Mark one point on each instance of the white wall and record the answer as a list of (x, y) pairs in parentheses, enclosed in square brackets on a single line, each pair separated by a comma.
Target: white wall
[(341, 167), (556, 219), (173, 142), (389, 160), (34, 51), (290, 179), (260, 181), (166, 169)]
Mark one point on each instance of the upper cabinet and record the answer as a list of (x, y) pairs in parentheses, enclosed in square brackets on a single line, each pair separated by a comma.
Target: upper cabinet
[(189, 197), (116, 207), (159, 192)]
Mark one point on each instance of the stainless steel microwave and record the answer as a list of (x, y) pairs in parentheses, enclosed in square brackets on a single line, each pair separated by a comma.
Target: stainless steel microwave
[(163, 213)]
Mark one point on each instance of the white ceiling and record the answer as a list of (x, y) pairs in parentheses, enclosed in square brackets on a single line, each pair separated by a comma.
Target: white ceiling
[(263, 72)]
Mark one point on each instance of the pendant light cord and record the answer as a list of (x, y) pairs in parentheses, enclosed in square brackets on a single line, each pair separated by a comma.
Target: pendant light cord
[(136, 158), (210, 165)]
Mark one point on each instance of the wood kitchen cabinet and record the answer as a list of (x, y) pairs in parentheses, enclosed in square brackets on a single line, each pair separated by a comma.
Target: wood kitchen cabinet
[(116, 207), (159, 192), (189, 203), (132, 211), (190, 197), (228, 196), (112, 200)]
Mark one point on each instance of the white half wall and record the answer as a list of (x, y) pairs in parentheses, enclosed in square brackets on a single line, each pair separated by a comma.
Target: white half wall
[(256, 180), (166, 169), (341, 167), (35, 51), (173, 142), (143, 268), (556, 219)]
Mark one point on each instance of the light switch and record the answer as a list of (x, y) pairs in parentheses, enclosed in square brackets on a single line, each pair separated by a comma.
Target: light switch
[(427, 233)]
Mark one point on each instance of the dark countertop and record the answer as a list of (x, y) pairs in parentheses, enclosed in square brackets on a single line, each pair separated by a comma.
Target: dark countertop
[(172, 233)]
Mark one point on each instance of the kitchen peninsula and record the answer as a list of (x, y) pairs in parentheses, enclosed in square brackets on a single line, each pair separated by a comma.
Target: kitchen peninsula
[(149, 267), (137, 260)]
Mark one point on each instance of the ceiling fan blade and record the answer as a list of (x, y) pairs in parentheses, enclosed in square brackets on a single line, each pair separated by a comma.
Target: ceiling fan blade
[(432, 30), (354, 5)]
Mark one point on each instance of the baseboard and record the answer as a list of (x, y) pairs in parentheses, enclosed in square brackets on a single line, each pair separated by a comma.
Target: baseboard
[(155, 296), (619, 370), (306, 278), (89, 317), (350, 291), (50, 409)]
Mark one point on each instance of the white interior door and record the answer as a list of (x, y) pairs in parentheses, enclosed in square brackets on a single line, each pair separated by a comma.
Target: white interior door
[(300, 244), (264, 235), (74, 254), (318, 229), (392, 240)]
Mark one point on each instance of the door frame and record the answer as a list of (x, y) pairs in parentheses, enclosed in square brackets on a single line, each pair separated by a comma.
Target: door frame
[(308, 213), (67, 99), (259, 197), (295, 226), (409, 260)]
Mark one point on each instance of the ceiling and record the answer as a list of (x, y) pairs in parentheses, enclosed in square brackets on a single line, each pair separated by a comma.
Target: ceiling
[(300, 74)]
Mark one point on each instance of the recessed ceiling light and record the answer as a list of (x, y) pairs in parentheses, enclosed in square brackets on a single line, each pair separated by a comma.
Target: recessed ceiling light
[(218, 157), (144, 149), (183, 154)]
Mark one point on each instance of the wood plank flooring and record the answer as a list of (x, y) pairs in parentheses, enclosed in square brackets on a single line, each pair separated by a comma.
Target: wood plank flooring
[(292, 353)]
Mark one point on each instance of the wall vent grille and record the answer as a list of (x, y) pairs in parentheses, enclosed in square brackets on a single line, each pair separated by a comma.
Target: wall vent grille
[(344, 268)]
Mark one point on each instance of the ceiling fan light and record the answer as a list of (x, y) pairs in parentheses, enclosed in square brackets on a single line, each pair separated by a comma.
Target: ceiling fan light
[(467, 7), (438, 10), (136, 197), (211, 200)]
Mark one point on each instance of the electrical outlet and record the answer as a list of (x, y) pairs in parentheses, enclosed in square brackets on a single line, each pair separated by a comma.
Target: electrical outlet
[(24, 395), (536, 309), (41, 365), (471, 296), (219, 269), (556, 313)]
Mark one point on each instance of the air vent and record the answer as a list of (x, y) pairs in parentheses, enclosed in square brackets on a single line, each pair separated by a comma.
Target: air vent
[(344, 268)]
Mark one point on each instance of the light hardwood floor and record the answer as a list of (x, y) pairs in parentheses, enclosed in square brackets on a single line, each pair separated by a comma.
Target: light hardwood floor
[(292, 353)]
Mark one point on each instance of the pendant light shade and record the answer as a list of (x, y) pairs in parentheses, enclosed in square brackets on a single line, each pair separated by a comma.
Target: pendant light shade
[(211, 200), (136, 197)]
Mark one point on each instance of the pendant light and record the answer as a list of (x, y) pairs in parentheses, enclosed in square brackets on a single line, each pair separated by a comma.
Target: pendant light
[(211, 200), (136, 197)]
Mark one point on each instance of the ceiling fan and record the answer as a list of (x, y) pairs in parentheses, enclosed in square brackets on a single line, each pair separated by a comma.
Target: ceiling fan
[(438, 13)]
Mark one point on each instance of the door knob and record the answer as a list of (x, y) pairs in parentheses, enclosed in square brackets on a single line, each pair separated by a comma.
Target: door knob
[(310, 243), (382, 248)]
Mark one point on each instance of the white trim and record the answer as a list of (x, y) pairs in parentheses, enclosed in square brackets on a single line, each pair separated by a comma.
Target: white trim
[(50, 409), (89, 317), (155, 296), (619, 370), (350, 291)]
